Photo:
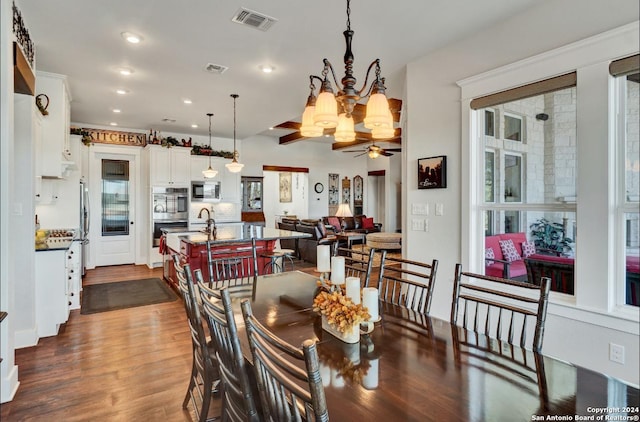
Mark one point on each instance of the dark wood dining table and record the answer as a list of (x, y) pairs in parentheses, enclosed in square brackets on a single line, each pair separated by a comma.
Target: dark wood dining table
[(418, 368)]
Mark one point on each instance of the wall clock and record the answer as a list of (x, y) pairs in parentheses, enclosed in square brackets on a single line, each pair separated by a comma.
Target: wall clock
[(319, 187)]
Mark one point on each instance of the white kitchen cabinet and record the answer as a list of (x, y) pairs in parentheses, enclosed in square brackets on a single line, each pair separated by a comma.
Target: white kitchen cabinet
[(230, 186), (52, 303), (169, 166), (74, 274), (55, 125)]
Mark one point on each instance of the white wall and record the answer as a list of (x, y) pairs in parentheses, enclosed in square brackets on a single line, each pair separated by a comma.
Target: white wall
[(434, 101)]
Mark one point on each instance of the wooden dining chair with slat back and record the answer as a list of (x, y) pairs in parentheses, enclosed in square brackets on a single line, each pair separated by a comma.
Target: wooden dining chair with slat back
[(500, 308), (407, 283), (357, 263), (236, 265), (204, 369), (280, 381), (238, 403)]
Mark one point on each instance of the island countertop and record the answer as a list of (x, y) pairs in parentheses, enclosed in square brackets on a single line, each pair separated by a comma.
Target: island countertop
[(237, 233)]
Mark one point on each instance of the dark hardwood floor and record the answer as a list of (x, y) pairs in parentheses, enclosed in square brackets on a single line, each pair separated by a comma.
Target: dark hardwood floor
[(125, 365)]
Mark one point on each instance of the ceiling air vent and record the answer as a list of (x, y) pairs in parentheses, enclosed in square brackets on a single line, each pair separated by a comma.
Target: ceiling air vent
[(169, 120), (215, 68), (253, 19)]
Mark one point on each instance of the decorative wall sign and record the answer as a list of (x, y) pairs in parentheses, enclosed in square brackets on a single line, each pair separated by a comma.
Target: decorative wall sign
[(114, 137), (346, 190), (357, 195), (432, 172), (334, 198), (285, 187)]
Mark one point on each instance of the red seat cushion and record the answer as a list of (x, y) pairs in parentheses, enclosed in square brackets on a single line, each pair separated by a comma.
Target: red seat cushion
[(516, 269), (367, 223), (633, 264), (493, 242)]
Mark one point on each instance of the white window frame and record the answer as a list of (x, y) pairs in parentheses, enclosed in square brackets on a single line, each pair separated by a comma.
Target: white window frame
[(522, 127), (590, 59), (622, 205), (503, 175), (484, 123)]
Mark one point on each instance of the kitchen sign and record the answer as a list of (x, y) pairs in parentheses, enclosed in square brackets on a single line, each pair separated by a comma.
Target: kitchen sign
[(117, 138)]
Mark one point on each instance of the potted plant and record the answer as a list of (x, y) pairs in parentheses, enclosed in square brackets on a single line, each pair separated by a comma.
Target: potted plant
[(549, 237)]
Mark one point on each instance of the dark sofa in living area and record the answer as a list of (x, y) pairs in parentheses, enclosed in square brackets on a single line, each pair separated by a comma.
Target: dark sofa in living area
[(306, 248), (357, 223)]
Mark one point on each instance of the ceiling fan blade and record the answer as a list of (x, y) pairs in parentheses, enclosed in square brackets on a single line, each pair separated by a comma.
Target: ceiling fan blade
[(353, 150), (359, 155), (385, 153), (393, 149)]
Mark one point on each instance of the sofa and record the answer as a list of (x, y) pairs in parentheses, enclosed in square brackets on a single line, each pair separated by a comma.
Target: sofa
[(358, 223), (496, 265), (306, 248)]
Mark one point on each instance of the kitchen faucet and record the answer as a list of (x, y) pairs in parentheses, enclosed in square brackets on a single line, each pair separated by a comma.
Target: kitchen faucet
[(210, 222)]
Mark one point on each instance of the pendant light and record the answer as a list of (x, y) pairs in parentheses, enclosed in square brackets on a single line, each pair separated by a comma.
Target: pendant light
[(234, 166), (209, 173)]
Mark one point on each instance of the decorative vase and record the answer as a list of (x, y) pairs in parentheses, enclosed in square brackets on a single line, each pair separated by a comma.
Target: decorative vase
[(349, 336)]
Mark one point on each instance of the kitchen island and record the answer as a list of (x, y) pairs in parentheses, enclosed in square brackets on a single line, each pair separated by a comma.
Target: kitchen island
[(192, 246)]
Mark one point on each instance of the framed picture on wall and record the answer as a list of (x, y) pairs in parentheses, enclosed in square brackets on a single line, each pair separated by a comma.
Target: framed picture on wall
[(285, 187), (432, 172)]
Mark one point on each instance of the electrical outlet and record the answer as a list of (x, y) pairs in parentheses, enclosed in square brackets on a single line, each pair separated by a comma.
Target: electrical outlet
[(616, 353)]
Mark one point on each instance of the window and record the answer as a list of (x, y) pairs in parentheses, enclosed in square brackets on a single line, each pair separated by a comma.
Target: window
[(513, 127), (627, 215), (115, 198), (489, 123), (529, 189)]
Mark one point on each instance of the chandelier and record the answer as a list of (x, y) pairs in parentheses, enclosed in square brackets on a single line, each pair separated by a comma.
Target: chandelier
[(234, 166), (209, 173), (334, 110)]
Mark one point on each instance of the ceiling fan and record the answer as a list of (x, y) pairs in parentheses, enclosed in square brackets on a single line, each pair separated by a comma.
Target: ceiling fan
[(375, 151)]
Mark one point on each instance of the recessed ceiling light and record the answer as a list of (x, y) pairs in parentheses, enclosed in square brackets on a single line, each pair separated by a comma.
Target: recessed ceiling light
[(271, 128), (267, 68), (113, 124), (122, 91), (116, 110), (131, 37), (125, 71), (187, 101), (194, 126)]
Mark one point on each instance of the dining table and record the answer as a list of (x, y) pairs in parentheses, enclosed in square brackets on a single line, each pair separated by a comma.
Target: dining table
[(414, 367)]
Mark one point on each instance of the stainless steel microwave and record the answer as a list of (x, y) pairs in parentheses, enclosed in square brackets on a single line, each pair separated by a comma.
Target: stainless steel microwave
[(205, 191)]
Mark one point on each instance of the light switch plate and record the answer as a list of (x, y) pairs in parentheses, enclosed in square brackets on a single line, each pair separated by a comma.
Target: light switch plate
[(417, 224), (439, 209)]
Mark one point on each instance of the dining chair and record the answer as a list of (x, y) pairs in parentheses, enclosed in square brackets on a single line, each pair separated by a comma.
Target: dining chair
[(357, 263), (235, 265), (204, 368), (500, 308), (287, 391), (238, 404), (407, 283)]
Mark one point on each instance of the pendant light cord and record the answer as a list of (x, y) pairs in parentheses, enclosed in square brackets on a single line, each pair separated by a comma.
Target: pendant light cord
[(348, 15)]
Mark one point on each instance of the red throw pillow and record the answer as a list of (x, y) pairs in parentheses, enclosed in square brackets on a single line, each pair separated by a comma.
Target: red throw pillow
[(528, 249), (489, 255), (509, 250), (367, 223), (334, 222)]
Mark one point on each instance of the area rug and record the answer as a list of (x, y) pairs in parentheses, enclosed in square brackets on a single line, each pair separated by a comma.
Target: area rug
[(125, 294)]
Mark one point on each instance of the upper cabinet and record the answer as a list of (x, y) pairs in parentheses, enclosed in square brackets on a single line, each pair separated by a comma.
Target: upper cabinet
[(230, 181), (200, 163), (169, 166), (55, 99), (230, 185)]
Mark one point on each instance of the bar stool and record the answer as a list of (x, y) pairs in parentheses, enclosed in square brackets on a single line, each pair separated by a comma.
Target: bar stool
[(277, 260)]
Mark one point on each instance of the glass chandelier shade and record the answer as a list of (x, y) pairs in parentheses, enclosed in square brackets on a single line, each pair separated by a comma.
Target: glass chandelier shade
[(374, 153), (234, 166), (345, 131), (308, 128), (326, 113), (209, 173), (377, 112)]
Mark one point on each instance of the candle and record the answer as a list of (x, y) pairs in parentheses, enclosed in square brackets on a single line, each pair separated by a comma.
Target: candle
[(370, 301), (323, 260), (353, 289), (337, 270)]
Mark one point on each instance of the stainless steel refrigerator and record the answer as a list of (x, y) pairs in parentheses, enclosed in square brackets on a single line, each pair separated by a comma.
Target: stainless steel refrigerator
[(84, 222)]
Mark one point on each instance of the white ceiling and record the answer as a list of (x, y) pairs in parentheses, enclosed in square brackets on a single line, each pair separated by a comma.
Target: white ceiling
[(81, 39)]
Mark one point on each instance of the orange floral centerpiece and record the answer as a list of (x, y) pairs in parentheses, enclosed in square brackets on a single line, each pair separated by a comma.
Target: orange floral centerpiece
[(340, 316)]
